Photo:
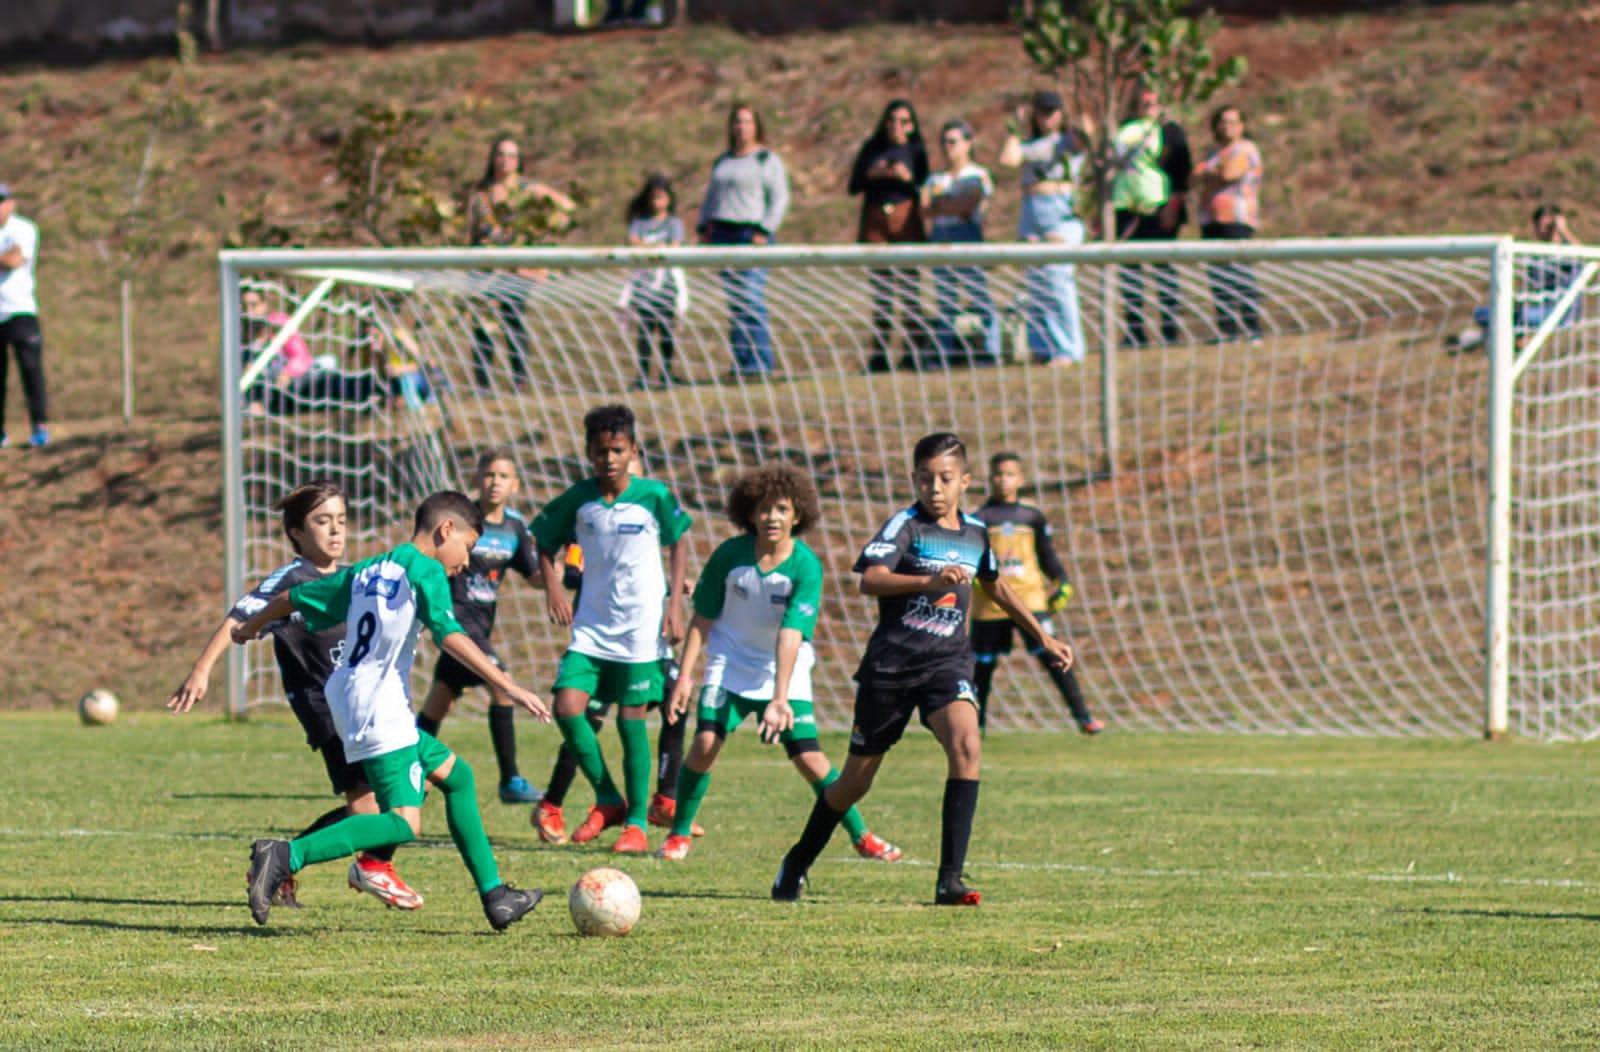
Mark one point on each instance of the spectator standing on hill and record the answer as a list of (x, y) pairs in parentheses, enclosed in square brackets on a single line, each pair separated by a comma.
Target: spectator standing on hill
[(1050, 161), (491, 209), (653, 294), (888, 174), (744, 205), (1149, 205), (956, 200), (1228, 182), (19, 316)]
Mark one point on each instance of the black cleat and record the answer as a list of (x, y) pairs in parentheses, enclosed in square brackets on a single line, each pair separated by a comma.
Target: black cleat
[(506, 905), (789, 883), (951, 892), (269, 868)]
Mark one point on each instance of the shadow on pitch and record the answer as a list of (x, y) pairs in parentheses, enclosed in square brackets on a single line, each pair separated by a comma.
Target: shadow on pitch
[(1554, 915), (185, 930), (92, 900), (735, 896), (252, 796)]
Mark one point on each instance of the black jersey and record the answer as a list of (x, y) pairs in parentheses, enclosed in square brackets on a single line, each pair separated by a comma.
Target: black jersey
[(923, 634), (474, 591), (305, 658), (1020, 536)]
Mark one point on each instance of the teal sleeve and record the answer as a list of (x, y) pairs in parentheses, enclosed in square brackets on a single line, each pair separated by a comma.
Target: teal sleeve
[(432, 588), (806, 601), (712, 588), (325, 601), (674, 521), (556, 525)]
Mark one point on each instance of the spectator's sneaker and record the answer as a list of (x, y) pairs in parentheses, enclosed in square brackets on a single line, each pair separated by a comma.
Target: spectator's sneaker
[(663, 809), (518, 791), (378, 879), (873, 846), (601, 817), (40, 437), (789, 883), (676, 848), (506, 905), (1091, 726), (954, 893), (285, 895), (269, 867), (633, 841), (550, 823)]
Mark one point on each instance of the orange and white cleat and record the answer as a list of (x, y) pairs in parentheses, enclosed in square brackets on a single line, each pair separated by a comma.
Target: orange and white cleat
[(873, 846), (676, 848), (663, 809), (633, 841), (1091, 727), (548, 821), (601, 817), (378, 879)]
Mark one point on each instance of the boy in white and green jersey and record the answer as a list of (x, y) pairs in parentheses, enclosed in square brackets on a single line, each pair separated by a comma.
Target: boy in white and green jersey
[(755, 608), (384, 601), (625, 608)]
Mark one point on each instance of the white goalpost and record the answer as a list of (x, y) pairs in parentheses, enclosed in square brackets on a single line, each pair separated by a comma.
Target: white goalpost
[(1290, 497)]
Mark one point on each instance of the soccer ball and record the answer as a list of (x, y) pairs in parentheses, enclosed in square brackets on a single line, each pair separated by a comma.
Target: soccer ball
[(604, 901), (98, 707)]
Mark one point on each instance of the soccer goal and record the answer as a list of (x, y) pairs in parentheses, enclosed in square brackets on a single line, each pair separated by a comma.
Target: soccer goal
[(1331, 486)]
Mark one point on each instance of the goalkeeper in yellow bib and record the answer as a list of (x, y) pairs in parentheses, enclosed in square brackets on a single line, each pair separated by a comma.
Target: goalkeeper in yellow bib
[(755, 608), (1019, 535)]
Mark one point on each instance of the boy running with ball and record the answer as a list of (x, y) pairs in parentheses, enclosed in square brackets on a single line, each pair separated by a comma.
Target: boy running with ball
[(755, 608), (626, 606), (1020, 536), (384, 602), (920, 566)]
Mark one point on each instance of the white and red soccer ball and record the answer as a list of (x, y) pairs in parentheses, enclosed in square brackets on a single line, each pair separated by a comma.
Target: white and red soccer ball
[(604, 901)]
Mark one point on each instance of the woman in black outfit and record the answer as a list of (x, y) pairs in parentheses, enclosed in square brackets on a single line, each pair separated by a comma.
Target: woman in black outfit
[(888, 174)]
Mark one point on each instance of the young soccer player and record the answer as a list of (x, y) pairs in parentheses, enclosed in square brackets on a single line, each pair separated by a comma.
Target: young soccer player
[(1020, 536), (754, 611), (920, 566), (314, 521), (385, 601), (626, 606), (505, 545)]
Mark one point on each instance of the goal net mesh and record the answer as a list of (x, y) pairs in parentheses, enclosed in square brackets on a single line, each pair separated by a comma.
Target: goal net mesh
[(1289, 536)]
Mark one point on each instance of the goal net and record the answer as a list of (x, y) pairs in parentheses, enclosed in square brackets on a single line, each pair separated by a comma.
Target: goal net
[(1268, 468)]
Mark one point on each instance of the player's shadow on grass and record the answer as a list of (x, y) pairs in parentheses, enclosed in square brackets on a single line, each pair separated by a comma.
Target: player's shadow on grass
[(1553, 915), (249, 796), (95, 900), (188, 931), (760, 893)]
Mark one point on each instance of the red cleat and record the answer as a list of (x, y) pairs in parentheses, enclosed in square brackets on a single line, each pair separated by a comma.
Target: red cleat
[(378, 879), (547, 819), (1091, 727), (633, 841), (875, 847), (955, 893), (663, 809), (676, 848), (601, 817)]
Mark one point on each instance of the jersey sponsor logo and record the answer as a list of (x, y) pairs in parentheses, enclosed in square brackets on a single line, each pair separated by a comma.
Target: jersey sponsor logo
[(940, 618), (1008, 528), (384, 587), (781, 599), (878, 550), (628, 529), (336, 655)]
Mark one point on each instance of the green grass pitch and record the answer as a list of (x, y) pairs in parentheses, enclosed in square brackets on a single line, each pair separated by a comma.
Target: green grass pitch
[(1141, 891)]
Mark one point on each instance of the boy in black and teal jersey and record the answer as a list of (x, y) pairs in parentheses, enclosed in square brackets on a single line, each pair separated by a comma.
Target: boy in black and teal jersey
[(622, 524), (1020, 536), (505, 546), (384, 602), (921, 566), (755, 608)]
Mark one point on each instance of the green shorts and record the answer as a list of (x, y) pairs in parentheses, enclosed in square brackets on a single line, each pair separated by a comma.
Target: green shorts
[(617, 682), (398, 778), (722, 713)]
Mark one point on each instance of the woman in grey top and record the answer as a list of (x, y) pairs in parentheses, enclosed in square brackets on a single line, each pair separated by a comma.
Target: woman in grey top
[(744, 205), (1050, 161)]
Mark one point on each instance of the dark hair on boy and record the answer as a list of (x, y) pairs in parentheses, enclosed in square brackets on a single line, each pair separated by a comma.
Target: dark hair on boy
[(769, 483), (1005, 456), (494, 453), (298, 504), (449, 504), (608, 420), (938, 444), (639, 207), (1549, 209)]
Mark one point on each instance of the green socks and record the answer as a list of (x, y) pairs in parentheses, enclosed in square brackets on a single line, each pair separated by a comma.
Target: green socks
[(852, 821), (636, 764), (346, 837), (466, 826), (585, 750), (692, 786)]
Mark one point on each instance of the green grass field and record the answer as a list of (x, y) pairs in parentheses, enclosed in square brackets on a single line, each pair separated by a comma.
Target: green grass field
[(1142, 891)]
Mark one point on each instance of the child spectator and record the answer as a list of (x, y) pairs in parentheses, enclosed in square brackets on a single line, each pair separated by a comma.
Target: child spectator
[(888, 173), (1229, 184), (1543, 280), (654, 294), (956, 199)]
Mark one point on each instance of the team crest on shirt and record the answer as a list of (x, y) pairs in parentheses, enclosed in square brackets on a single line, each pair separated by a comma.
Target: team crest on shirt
[(383, 587), (940, 617)]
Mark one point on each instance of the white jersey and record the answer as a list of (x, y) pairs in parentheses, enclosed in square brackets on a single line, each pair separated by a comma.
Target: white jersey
[(748, 608), (624, 586), (383, 602), (16, 285)]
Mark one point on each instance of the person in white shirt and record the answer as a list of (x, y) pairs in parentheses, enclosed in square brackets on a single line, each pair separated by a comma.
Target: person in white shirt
[(955, 200), (19, 316)]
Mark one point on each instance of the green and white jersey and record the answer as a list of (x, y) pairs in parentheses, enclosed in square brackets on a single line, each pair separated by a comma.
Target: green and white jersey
[(383, 602), (624, 586), (748, 608)]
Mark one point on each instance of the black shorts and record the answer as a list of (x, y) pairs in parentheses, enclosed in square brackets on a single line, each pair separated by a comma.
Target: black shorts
[(883, 712), (459, 677), (342, 774), (993, 638), (311, 709)]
